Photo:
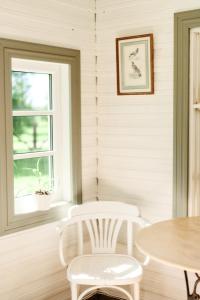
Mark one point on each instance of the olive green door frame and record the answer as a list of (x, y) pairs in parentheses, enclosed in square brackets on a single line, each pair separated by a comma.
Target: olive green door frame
[(183, 22)]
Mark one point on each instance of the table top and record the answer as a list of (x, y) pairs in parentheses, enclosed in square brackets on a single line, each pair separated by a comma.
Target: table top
[(174, 242)]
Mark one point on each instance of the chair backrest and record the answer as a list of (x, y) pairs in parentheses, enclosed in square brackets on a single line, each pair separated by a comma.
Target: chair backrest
[(103, 220)]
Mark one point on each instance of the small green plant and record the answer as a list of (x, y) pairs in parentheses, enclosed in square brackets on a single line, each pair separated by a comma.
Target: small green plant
[(43, 187)]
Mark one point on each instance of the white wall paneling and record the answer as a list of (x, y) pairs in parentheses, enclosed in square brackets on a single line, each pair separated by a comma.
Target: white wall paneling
[(134, 132), (29, 264), (135, 138)]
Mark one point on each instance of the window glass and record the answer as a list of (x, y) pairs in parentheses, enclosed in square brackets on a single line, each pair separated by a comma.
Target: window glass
[(33, 174), (31, 91), (32, 133)]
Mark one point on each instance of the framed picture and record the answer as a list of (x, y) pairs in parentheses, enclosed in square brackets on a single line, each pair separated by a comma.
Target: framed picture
[(135, 65)]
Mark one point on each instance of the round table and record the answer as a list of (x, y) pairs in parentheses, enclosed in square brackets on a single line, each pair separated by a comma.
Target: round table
[(175, 243)]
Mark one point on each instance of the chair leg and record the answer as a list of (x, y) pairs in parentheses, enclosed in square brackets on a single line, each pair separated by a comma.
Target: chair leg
[(74, 291), (136, 291)]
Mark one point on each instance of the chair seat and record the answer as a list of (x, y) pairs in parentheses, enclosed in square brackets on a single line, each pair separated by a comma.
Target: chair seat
[(104, 269)]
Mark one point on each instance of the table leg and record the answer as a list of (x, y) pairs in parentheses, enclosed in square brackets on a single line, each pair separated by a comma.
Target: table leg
[(193, 295)]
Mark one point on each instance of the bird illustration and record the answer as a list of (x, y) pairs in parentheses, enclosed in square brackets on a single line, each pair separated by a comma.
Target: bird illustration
[(136, 71), (134, 53)]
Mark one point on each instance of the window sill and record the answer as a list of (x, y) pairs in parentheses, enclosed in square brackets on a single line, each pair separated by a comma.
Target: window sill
[(27, 221), (29, 204)]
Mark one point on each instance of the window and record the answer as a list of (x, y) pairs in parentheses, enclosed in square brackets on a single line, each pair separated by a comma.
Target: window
[(40, 125), (40, 172)]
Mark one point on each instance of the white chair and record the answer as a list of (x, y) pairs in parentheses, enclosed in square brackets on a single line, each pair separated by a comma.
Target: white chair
[(103, 268)]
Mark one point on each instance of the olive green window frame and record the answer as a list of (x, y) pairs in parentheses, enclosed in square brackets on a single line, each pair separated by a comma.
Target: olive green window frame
[(11, 48), (183, 23)]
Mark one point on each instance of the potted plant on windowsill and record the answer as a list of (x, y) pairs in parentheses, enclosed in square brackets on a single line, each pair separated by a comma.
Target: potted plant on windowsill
[(43, 193), (44, 199)]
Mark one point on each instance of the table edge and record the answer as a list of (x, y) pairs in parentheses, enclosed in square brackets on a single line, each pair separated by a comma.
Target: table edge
[(165, 262)]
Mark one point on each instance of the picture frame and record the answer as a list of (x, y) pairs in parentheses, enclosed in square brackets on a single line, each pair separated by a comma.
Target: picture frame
[(135, 65)]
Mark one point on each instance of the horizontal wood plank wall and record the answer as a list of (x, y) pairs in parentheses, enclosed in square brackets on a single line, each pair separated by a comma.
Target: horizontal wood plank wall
[(135, 133), (29, 264)]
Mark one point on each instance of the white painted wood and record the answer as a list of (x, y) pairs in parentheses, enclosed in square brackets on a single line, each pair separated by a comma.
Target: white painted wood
[(105, 240), (110, 269), (80, 238), (32, 113), (130, 233), (112, 208), (30, 155), (74, 291), (103, 226), (136, 292)]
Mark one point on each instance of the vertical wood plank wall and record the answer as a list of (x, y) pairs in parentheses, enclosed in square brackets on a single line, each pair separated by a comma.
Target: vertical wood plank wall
[(29, 264), (135, 141)]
